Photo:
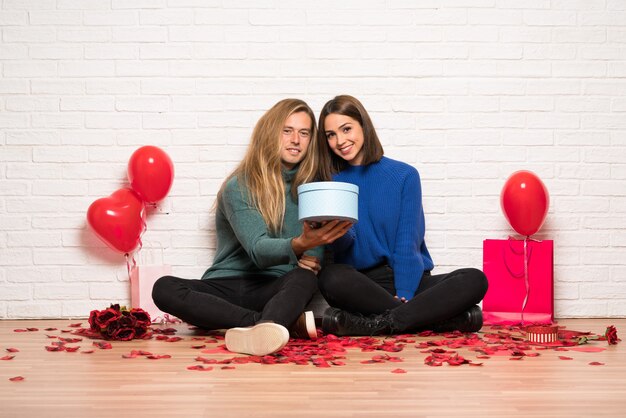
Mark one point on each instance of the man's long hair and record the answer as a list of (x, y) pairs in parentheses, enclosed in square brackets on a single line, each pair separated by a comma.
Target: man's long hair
[(260, 171)]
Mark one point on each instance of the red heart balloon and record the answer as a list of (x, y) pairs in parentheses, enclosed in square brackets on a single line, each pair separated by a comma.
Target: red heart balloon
[(118, 220), (151, 173), (525, 200)]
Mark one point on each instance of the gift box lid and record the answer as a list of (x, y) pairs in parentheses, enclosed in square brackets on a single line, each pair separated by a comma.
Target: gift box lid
[(328, 185)]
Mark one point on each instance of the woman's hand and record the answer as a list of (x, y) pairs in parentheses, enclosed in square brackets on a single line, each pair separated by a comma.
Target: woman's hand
[(314, 237), (310, 263), (402, 299)]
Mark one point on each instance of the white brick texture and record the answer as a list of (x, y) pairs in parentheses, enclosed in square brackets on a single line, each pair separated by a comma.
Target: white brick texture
[(466, 91)]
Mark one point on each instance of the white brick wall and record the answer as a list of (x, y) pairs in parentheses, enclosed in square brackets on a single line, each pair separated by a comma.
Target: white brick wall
[(466, 91)]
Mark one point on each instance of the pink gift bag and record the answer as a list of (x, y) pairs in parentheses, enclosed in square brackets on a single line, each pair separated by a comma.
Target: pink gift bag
[(142, 278), (518, 292)]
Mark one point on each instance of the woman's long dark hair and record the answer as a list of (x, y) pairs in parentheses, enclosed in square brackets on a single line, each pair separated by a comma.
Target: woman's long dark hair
[(329, 162)]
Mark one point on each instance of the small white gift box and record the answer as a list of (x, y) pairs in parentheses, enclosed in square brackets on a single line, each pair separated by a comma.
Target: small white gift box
[(328, 200)]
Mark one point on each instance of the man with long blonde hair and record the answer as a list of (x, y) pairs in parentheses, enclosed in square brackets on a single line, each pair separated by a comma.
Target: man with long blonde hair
[(265, 266)]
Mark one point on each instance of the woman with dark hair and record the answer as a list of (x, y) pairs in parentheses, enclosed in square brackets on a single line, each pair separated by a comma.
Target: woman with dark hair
[(382, 282), (265, 266)]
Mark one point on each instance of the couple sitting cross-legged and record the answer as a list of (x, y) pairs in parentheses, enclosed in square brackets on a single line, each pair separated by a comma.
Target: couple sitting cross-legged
[(268, 264)]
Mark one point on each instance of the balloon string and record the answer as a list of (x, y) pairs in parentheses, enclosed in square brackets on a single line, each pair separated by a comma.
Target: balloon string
[(527, 253), (525, 278), (145, 228), (128, 258)]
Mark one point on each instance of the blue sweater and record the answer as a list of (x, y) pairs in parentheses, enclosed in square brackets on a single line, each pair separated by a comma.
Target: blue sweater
[(391, 223)]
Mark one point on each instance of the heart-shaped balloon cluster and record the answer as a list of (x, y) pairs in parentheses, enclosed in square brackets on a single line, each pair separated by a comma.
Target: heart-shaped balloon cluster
[(120, 219)]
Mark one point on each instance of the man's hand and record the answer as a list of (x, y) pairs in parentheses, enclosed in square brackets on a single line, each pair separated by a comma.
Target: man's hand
[(324, 234), (310, 263)]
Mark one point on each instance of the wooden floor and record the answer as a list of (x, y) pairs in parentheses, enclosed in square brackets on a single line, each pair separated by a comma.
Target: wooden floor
[(104, 384)]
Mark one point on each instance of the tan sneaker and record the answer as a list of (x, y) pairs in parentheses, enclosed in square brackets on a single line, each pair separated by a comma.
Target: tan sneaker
[(304, 327), (259, 340)]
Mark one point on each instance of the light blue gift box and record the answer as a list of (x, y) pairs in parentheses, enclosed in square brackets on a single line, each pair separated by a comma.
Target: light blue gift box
[(328, 200)]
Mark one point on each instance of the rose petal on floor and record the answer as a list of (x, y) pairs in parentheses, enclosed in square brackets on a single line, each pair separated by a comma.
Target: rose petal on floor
[(55, 348), (200, 368), (103, 345)]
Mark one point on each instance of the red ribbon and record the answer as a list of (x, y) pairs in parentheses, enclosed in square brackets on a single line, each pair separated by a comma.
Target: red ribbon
[(129, 257), (526, 254), (167, 319)]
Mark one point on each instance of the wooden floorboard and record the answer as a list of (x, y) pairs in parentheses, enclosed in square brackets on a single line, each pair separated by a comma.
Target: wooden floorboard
[(103, 384)]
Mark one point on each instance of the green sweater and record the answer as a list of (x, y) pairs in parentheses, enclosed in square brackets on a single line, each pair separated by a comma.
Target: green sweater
[(244, 244)]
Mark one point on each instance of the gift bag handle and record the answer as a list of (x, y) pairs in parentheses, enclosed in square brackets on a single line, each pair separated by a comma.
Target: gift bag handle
[(131, 262), (521, 253), (148, 255)]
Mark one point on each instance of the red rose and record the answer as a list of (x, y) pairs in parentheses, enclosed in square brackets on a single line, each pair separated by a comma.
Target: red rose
[(106, 317), (126, 321), (141, 317), (110, 330), (611, 335), (92, 320), (141, 332), (123, 334)]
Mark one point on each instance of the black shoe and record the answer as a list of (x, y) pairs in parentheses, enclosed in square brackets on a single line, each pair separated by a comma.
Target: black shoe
[(468, 321), (338, 322)]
